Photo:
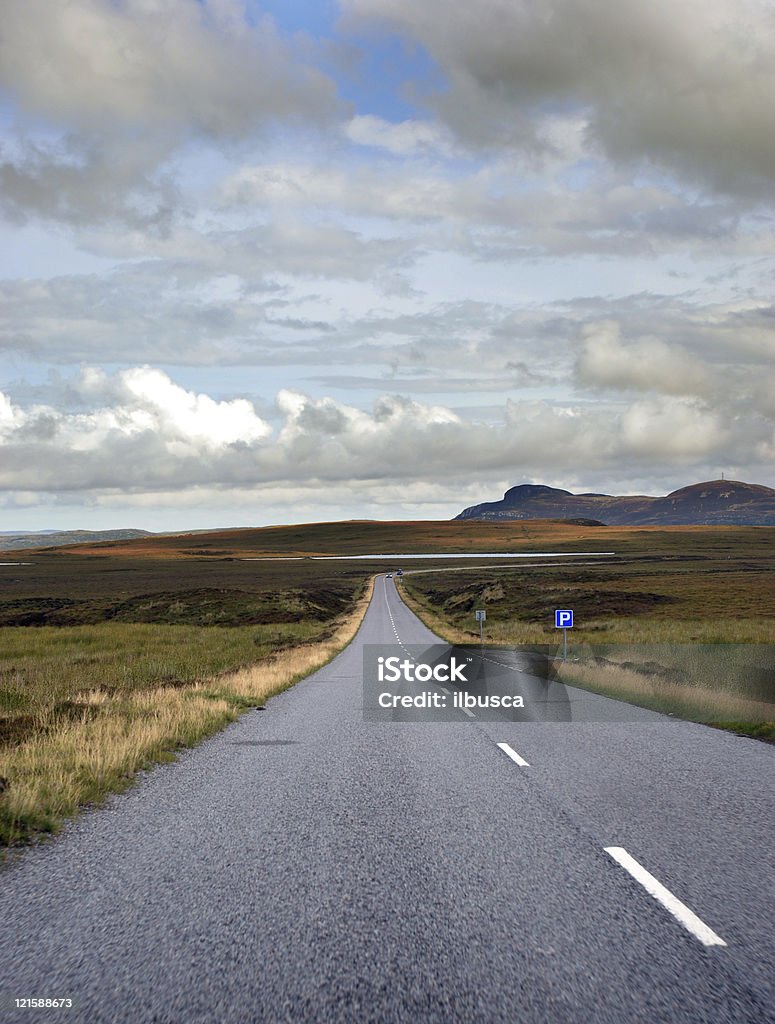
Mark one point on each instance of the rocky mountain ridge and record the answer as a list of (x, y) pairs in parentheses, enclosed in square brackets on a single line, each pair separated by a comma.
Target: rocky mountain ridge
[(712, 503)]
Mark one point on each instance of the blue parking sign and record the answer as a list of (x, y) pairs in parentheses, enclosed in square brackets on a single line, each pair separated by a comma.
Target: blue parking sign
[(563, 618)]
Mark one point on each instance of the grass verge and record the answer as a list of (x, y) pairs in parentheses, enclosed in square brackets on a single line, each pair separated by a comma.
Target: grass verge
[(76, 755), (689, 699), (693, 669)]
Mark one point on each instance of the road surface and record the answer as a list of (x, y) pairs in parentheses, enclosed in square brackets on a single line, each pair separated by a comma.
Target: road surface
[(307, 865)]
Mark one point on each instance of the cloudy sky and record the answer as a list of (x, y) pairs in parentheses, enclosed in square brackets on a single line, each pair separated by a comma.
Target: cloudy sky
[(296, 260)]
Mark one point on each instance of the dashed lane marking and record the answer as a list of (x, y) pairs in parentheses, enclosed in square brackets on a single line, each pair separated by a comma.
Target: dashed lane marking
[(403, 645), (513, 755), (671, 903)]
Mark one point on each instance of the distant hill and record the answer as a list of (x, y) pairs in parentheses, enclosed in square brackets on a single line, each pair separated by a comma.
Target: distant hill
[(714, 503), (58, 538)]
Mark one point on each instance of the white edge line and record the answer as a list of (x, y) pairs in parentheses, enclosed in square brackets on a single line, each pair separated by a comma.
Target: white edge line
[(513, 755), (671, 903)]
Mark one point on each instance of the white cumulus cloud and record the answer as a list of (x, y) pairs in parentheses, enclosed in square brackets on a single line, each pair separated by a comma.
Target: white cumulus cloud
[(142, 433)]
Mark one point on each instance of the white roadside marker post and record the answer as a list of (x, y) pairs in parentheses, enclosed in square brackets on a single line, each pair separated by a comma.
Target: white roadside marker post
[(481, 616)]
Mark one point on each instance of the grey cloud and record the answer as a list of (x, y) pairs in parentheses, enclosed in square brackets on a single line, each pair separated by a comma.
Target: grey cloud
[(87, 180), (159, 312), (169, 309), (300, 324), (482, 214), (687, 86), (516, 375), (735, 332), (322, 419), (180, 66), (643, 364), (122, 86)]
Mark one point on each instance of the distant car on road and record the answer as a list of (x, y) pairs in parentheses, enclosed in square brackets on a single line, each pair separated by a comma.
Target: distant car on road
[(389, 576)]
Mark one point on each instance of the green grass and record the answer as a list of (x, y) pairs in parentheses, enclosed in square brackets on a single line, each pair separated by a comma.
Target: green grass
[(763, 731), (113, 664), (44, 670), (98, 703), (659, 630), (648, 599)]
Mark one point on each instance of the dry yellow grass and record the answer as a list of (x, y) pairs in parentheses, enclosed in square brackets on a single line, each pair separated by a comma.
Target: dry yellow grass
[(56, 771), (689, 700), (53, 773)]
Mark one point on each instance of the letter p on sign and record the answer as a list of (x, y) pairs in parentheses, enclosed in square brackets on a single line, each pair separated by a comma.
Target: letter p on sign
[(563, 618)]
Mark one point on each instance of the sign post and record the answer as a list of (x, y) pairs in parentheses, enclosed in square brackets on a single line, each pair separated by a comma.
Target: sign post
[(563, 619), (481, 617)]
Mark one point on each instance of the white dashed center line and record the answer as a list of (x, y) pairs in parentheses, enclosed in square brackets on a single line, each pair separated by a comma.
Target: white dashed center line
[(402, 644), (671, 903), (513, 755), (693, 924)]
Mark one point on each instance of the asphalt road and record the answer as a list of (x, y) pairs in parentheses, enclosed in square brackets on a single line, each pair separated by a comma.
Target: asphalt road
[(308, 865)]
